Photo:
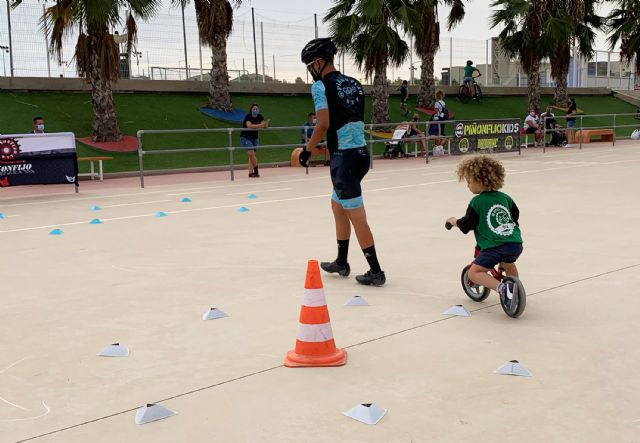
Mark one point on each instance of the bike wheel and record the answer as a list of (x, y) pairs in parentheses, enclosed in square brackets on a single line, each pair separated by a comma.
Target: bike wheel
[(478, 93), (519, 300), (463, 96), (474, 292)]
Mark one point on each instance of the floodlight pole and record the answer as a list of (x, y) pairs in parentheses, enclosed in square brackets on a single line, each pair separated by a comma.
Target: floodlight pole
[(184, 40), (10, 40), (255, 48)]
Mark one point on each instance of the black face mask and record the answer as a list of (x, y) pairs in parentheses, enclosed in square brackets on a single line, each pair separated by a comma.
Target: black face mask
[(316, 74)]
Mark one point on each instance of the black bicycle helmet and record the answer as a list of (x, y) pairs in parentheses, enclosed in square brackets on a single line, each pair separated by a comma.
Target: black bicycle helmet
[(322, 48)]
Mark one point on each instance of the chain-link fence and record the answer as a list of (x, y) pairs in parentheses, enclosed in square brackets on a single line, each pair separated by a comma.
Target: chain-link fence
[(266, 49)]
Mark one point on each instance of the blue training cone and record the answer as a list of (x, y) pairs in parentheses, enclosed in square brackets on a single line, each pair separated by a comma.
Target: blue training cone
[(56, 232), (186, 200), (161, 214), (95, 221), (243, 209), (252, 196), (95, 208), (2, 216)]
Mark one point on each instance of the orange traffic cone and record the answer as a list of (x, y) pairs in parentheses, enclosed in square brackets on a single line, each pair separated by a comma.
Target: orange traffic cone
[(315, 345)]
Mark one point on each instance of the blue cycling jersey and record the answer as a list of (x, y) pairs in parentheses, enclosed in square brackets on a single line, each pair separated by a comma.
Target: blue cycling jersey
[(343, 96)]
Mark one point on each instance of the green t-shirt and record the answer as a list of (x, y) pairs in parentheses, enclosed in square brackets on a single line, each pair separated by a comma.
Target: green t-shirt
[(468, 71), (497, 219)]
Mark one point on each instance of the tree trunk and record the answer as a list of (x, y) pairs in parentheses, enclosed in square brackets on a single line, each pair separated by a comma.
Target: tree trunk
[(559, 71), (426, 95), (560, 94), (105, 120), (534, 86), (380, 94), (219, 97)]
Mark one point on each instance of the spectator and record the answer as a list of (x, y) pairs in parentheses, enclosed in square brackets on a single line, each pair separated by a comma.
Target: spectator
[(548, 118), (415, 132), (38, 125), (404, 97), (249, 139), (533, 127), (572, 111), (307, 128)]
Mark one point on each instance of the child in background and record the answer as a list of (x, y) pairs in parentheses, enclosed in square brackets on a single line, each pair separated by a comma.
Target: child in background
[(493, 217)]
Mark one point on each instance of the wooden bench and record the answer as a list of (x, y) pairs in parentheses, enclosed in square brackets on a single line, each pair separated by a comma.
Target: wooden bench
[(606, 135), (92, 161)]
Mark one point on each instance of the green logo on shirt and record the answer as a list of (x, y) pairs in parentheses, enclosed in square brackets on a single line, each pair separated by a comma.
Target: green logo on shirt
[(499, 220)]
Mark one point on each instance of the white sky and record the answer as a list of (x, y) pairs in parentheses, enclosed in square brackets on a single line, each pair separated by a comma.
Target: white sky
[(474, 26), (287, 26)]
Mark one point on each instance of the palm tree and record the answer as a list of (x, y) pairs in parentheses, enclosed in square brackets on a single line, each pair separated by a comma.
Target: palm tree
[(569, 21), (215, 23), (624, 25), (367, 29), (97, 54), (521, 37), (423, 24)]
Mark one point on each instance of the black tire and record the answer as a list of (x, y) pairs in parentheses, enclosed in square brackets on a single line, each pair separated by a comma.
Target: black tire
[(473, 291), (519, 301), (463, 95), (478, 93)]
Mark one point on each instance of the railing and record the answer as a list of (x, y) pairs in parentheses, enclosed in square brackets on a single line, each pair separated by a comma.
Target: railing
[(230, 148), (580, 118)]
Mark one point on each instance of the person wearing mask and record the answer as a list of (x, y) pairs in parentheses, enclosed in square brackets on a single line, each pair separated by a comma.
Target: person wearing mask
[(38, 125), (339, 103), (532, 127), (307, 128), (249, 139), (414, 131)]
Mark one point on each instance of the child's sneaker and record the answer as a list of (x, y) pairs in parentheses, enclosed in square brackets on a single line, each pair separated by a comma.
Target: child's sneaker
[(506, 291), (333, 267), (372, 278)]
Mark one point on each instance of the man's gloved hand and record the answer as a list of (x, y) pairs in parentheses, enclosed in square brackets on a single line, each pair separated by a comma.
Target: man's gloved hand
[(304, 157)]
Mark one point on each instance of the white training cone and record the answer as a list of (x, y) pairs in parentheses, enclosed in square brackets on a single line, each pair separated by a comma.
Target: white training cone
[(513, 367), (213, 314), (367, 413), (114, 350), (152, 412), (457, 310), (357, 300)]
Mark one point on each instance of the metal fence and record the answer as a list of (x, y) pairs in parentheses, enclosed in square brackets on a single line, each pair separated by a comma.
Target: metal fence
[(619, 124), (217, 144), (168, 48)]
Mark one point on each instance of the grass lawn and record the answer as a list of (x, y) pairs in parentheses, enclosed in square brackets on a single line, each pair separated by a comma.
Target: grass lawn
[(72, 112)]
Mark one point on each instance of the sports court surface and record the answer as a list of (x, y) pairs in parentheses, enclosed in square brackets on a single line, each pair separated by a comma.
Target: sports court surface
[(145, 281)]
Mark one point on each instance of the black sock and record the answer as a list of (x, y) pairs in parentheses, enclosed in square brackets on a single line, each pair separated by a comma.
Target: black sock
[(372, 259), (343, 250), (255, 169)]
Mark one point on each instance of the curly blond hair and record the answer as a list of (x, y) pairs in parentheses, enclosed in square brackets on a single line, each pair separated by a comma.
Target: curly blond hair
[(483, 169)]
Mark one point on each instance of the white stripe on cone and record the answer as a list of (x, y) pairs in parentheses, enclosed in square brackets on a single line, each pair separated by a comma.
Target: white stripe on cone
[(315, 333), (313, 298)]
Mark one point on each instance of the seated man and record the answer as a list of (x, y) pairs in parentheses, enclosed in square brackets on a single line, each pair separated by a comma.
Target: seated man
[(415, 132), (307, 128), (531, 126), (38, 125), (549, 119), (305, 135)]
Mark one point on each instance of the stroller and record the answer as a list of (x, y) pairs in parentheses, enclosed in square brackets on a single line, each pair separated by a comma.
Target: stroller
[(394, 148), (558, 134)]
